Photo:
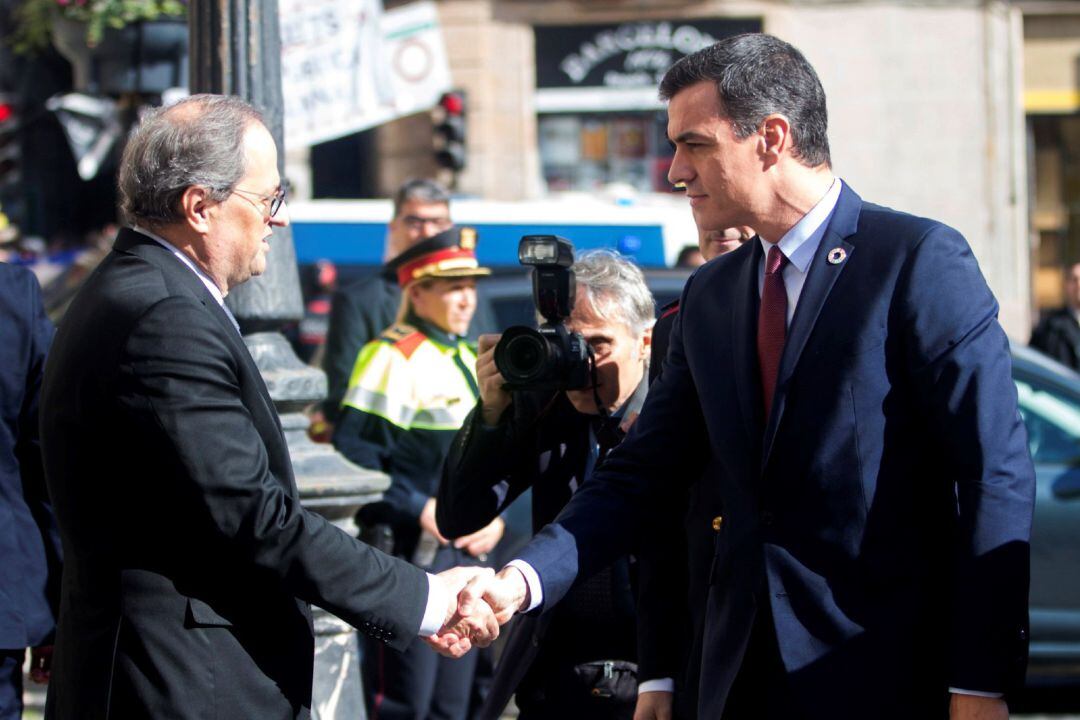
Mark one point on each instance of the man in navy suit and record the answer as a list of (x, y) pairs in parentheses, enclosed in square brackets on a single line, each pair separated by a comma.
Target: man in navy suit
[(29, 544), (845, 381)]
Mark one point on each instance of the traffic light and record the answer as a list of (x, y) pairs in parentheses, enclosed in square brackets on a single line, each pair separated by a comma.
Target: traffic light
[(450, 131), (10, 160)]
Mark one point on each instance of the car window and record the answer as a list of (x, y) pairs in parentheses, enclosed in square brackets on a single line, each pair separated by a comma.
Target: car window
[(510, 311), (663, 298), (1053, 422)]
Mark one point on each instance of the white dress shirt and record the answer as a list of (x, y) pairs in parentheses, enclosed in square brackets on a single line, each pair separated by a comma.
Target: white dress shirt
[(799, 245)]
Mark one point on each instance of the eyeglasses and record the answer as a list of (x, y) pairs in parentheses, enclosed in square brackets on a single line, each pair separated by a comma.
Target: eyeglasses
[(415, 222), (277, 199)]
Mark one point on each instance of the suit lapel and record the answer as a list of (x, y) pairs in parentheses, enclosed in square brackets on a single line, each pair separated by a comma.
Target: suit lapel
[(820, 279), (135, 243), (744, 333)]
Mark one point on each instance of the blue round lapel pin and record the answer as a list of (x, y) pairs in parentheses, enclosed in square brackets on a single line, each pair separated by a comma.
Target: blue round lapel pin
[(836, 256)]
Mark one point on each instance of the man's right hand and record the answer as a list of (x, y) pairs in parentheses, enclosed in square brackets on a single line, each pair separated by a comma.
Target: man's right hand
[(493, 398), (505, 593), (458, 633)]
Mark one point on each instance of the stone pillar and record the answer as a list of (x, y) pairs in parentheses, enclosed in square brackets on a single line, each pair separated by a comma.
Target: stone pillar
[(235, 49)]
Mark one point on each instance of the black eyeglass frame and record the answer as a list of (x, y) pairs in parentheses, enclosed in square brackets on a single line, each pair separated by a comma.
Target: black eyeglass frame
[(277, 199)]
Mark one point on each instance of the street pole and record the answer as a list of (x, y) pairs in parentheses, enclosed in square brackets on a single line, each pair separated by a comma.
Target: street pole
[(236, 49)]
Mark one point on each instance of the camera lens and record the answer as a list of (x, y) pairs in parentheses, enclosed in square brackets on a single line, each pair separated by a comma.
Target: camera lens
[(524, 356)]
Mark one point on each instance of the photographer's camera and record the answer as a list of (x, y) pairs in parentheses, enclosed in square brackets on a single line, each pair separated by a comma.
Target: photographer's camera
[(548, 357)]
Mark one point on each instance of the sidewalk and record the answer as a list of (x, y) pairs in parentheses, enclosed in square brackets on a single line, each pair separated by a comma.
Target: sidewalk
[(33, 697)]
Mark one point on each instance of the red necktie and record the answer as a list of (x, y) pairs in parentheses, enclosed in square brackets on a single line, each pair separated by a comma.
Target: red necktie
[(772, 325)]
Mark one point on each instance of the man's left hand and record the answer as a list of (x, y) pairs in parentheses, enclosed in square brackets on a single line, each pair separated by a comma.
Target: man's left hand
[(41, 663), (483, 540), (654, 705), (975, 707)]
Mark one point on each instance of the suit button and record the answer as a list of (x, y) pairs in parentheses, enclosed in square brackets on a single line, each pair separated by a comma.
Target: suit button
[(767, 518), (1023, 634), (717, 522)]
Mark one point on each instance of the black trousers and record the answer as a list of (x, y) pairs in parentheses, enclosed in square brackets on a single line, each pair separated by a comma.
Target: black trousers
[(572, 707), (11, 683), (760, 690), (418, 684)]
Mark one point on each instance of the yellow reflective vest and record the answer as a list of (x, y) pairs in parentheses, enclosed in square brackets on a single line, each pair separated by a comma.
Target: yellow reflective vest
[(410, 392)]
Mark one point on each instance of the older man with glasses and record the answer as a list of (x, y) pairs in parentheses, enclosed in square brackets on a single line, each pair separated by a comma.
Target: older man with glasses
[(363, 309), (189, 561)]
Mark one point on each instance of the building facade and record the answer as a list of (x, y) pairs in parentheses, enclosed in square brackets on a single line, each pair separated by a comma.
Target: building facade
[(925, 102)]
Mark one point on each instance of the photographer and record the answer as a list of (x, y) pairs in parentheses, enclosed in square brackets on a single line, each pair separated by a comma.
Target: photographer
[(578, 660)]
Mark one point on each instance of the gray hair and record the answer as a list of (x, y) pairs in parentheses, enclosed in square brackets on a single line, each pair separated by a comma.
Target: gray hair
[(615, 288), (198, 141), (422, 190), (757, 75)]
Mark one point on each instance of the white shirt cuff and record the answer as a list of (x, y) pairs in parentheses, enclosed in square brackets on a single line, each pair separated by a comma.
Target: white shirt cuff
[(532, 581), (437, 602), (658, 685), (976, 693)]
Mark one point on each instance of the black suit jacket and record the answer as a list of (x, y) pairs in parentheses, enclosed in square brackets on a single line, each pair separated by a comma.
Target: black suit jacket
[(886, 501), (542, 443), (1058, 335), (29, 543), (189, 560)]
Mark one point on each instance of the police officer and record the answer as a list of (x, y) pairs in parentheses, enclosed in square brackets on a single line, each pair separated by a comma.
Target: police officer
[(410, 391), (364, 307)]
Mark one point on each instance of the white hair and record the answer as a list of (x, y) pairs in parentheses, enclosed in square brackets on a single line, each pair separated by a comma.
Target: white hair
[(615, 288)]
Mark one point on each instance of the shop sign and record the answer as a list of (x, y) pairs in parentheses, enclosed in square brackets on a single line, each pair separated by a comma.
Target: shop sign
[(347, 66), (624, 56)]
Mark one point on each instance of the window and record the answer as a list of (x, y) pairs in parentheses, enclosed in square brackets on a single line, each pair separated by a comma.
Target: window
[(1053, 422), (585, 152)]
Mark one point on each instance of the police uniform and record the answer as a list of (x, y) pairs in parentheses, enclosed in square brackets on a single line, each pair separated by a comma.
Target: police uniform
[(410, 391)]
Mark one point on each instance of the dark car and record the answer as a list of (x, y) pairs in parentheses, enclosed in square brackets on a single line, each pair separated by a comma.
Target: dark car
[(1049, 399)]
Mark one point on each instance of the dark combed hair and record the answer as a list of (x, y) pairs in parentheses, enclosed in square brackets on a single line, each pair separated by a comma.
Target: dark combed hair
[(757, 75), (422, 189)]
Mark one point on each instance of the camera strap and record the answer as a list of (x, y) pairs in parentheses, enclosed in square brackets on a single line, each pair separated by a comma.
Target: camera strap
[(601, 409)]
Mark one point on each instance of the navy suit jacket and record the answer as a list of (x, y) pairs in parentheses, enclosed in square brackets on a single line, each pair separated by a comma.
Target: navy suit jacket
[(29, 544), (883, 512)]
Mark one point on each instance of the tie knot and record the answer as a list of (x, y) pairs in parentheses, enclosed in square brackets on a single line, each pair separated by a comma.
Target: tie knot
[(775, 261)]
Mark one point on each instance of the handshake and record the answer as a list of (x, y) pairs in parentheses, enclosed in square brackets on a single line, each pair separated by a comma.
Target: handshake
[(480, 600)]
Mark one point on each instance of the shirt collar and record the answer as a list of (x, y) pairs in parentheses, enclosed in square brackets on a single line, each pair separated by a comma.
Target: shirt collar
[(637, 398), (214, 290), (608, 430), (801, 242)]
